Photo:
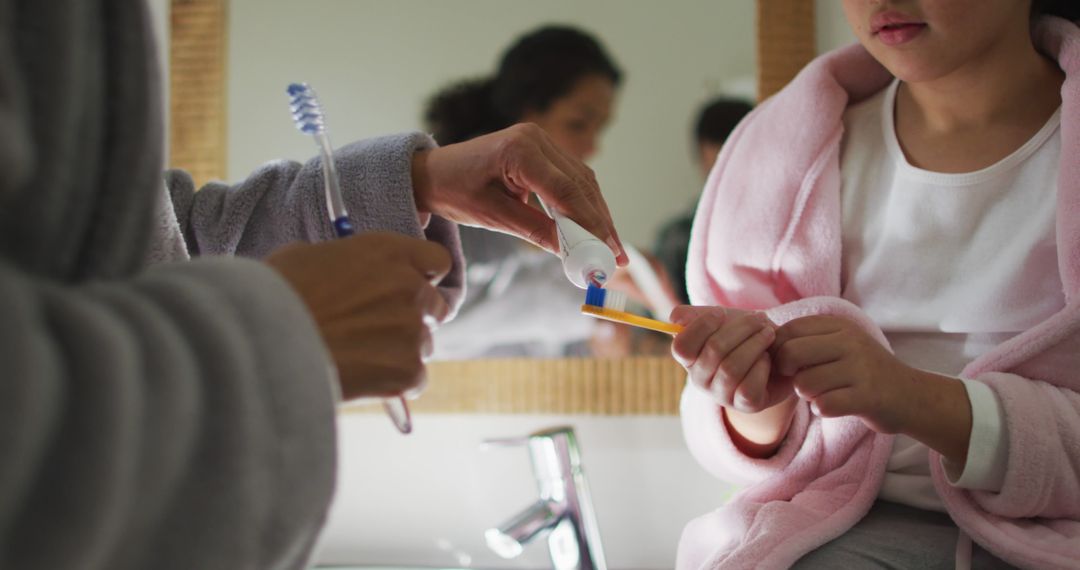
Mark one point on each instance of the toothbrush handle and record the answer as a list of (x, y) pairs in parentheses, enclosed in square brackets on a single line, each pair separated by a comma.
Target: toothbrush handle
[(398, 411), (396, 408), (343, 227)]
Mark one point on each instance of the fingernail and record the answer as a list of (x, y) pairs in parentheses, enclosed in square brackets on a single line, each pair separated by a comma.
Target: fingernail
[(615, 247), (814, 409), (768, 334), (742, 404)]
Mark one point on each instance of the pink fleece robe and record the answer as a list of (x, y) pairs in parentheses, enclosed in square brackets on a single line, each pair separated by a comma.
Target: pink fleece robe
[(767, 236)]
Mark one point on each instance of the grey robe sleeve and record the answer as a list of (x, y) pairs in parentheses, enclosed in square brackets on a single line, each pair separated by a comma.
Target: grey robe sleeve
[(284, 202), (180, 419), (177, 417)]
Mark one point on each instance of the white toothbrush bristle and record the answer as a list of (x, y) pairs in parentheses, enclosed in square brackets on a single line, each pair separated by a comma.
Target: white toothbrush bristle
[(615, 300)]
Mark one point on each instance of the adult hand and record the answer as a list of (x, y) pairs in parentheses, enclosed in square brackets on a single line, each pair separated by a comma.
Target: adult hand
[(487, 182), (374, 301), (842, 371), (725, 351)]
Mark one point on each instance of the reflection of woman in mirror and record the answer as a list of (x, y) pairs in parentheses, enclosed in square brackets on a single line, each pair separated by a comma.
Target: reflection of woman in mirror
[(891, 250), (557, 77), (561, 79)]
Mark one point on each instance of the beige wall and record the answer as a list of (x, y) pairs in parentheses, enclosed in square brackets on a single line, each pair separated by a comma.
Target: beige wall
[(832, 27), (374, 62)]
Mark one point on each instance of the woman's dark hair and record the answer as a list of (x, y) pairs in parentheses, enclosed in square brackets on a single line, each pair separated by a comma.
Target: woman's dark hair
[(718, 118), (540, 68), (1068, 9)]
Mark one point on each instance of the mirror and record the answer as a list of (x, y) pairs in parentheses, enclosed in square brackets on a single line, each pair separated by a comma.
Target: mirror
[(376, 66)]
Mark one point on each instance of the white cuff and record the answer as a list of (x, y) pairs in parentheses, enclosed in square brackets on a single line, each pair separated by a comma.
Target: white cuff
[(988, 448)]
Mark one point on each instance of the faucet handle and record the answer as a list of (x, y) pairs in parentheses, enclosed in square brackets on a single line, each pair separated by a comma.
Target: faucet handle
[(557, 432), (504, 442)]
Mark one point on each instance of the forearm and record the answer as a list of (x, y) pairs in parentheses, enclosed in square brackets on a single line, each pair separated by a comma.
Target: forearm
[(284, 202), (938, 414), (760, 435)]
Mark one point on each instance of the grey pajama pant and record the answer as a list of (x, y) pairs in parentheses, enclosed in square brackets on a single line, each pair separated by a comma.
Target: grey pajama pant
[(898, 537)]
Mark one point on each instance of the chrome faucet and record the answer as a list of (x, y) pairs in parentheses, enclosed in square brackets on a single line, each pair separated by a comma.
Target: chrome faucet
[(564, 510)]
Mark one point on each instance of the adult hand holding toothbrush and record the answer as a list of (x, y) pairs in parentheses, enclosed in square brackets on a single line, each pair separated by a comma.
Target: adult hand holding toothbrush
[(374, 300)]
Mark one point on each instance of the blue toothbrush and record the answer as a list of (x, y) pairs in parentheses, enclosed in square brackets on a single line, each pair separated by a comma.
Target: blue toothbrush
[(308, 116)]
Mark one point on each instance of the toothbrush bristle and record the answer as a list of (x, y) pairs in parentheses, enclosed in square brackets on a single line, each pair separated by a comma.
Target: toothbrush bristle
[(605, 298), (615, 300), (594, 296), (306, 111)]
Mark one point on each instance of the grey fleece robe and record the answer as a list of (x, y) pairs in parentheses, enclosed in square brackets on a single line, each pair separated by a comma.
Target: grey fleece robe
[(175, 416)]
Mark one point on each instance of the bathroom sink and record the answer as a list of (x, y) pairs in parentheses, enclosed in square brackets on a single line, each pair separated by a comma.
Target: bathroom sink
[(424, 502)]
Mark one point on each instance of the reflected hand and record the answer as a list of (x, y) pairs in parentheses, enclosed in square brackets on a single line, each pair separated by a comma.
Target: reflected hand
[(374, 300), (487, 182)]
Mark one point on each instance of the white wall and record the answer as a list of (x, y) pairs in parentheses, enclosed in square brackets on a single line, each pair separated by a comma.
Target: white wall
[(831, 26), (374, 63)]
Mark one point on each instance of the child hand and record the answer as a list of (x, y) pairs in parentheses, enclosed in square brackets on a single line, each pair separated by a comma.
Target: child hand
[(842, 371), (726, 352)]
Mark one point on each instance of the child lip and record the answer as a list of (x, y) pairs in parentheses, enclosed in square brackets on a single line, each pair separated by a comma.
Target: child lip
[(892, 20)]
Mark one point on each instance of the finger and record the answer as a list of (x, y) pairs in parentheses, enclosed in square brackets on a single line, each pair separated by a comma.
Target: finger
[(418, 388), (800, 353), (432, 260), (569, 188), (712, 367), (808, 326), (810, 383), (524, 221), (687, 345), (376, 374), (752, 393), (427, 345), (586, 179), (738, 362), (835, 403), (778, 388), (684, 314), (433, 306), (583, 176)]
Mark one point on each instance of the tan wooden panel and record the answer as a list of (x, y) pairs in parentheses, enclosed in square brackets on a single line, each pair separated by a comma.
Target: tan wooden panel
[(611, 387), (785, 42), (197, 59)]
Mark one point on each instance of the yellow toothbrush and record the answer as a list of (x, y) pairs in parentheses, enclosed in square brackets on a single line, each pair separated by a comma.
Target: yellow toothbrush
[(609, 305)]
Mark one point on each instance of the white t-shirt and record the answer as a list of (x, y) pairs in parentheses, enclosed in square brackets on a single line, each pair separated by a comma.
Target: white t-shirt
[(949, 266)]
